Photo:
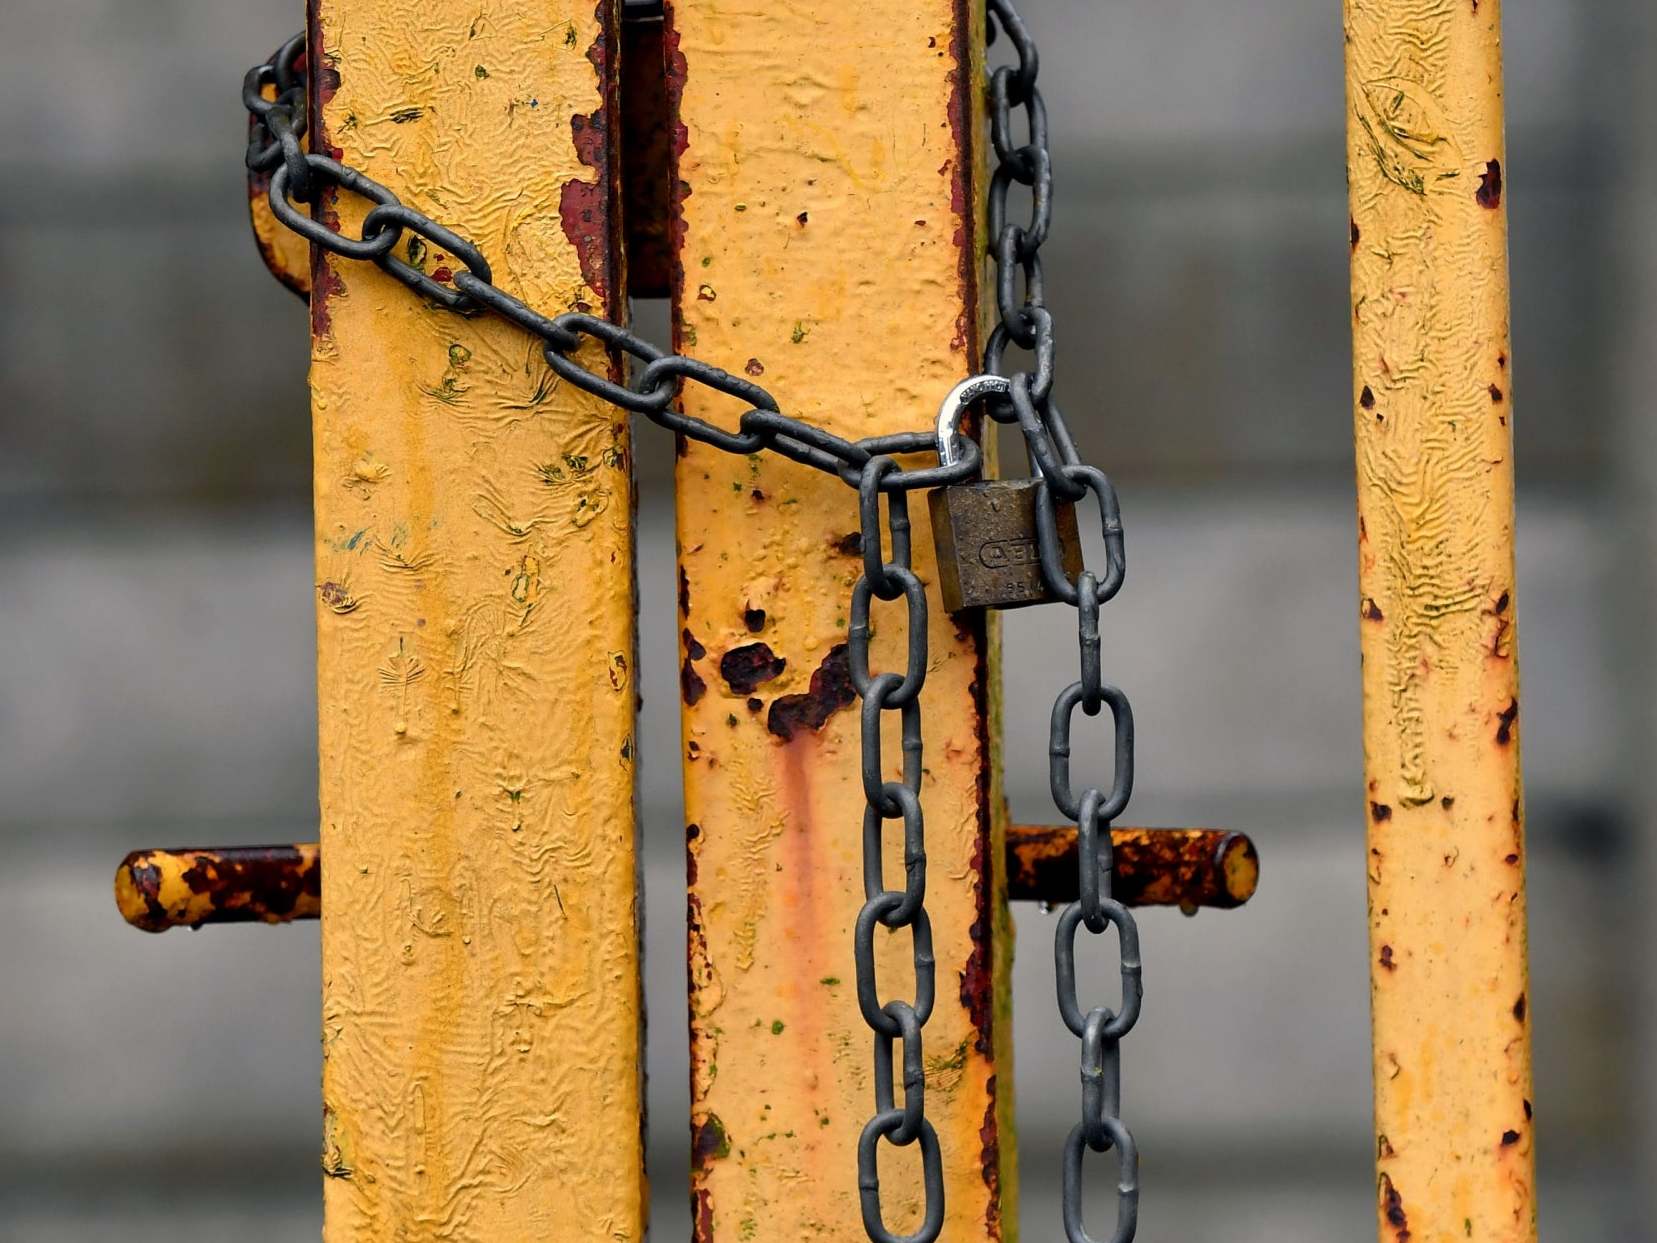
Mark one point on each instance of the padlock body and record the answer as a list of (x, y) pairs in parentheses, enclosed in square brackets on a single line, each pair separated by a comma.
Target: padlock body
[(986, 539)]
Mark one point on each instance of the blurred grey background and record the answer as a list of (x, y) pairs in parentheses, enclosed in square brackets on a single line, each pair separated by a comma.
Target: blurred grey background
[(156, 629)]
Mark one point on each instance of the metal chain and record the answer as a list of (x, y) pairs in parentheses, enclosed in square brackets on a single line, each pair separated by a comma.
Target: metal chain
[(1063, 477), (869, 465), (893, 909)]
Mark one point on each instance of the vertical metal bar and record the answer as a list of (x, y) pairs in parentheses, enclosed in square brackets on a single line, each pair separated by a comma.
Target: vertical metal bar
[(1432, 403), (828, 239), (475, 634)]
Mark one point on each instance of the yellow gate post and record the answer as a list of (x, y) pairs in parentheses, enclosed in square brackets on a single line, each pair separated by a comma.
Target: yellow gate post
[(481, 993), (1432, 408), (828, 241)]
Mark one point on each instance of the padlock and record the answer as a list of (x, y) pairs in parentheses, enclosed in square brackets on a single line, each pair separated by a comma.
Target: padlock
[(986, 532)]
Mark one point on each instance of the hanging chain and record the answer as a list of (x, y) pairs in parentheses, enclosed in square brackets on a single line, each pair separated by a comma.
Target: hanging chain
[(870, 465), (1063, 476)]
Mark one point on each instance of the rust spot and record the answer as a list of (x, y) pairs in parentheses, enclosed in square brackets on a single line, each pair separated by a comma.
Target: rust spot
[(1501, 361), (1489, 193), (850, 545), (1447, 802), (1502, 601), (1505, 722), (754, 619), (1188, 868), (757, 495), (702, 1211), (325, 280), (584, 206), (755, 704), (684, 593), (989, 1163), (674, 72), (831, 690), (1496, 395), (1386, 958), (963, 101), (1392, 1209), (1527, 1111), (748, 667), (754, 367), (691, 685), (1510, 859), (693, 912), (1366, 399), (693, 647), (802, 218), (1509, 1138), (1354, 224), (1370, 611), (1380, 811), (1519, 1008), (270, 884)]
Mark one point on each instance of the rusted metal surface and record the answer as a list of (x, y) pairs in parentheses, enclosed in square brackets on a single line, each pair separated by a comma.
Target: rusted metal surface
[(474, 557), (1432, 404), (160, 889), (646, 160), (1187, 868), (827, 236)]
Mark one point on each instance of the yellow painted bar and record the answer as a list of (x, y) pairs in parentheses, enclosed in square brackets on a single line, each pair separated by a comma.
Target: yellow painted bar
[(829, 245), (1432, 407), (475, 634)]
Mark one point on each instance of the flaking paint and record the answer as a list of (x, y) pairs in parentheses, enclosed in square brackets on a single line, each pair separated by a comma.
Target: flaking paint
[(481, 1008), (1436, 572), (826, 231)]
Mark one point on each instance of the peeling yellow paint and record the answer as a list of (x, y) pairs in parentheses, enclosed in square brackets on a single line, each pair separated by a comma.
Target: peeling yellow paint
[(481, 1009), (1432, 408), (829, 244)]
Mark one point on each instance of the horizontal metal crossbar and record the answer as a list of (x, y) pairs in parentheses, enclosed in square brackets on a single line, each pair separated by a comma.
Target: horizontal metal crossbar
[(187, 888)]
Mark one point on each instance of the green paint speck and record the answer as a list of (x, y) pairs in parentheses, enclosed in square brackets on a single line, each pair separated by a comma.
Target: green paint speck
[(776, 1027)]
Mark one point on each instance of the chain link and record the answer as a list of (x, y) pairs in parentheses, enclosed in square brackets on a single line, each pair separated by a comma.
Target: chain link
[(870, 465), (1026, 324)]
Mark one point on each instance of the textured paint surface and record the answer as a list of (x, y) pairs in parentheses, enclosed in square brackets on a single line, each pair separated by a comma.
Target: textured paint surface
[(481, 1010), (827, 246), (160, 889), (1432, 407)]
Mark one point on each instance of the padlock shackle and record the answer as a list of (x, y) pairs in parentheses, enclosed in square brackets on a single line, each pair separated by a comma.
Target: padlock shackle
[(956, 403)]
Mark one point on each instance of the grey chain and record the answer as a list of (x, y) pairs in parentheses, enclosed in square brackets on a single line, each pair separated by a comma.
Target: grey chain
[(1026, 323), (871, 467)]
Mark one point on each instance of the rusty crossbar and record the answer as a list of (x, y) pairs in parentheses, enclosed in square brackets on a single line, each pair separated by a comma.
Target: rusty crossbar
[(192, 887)]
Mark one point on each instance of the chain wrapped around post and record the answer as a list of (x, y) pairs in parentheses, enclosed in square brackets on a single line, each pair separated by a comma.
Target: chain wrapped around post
[(1063, 477), (870, 466)]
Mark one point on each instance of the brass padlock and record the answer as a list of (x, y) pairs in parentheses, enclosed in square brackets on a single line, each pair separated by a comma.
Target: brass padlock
[(986, 532)]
